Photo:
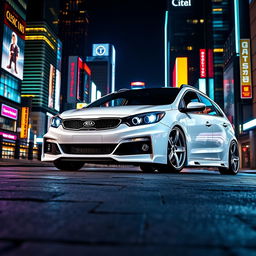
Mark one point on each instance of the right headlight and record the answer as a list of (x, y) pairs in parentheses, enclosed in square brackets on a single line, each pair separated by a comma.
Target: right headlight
[(56, 121), (145, 118)]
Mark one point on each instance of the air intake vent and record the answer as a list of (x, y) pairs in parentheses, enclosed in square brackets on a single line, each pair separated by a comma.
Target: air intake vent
[(88, 149)]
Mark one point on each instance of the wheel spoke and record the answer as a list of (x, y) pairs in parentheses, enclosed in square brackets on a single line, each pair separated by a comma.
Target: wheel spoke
[(176, 139), (177, 160), (170, 156), (235, 158)]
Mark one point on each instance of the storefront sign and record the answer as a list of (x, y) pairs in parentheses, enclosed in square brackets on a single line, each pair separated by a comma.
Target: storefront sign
[(8, 136), (100, 50), (14, 21), (203, 65), (24, 122), (9, 112), (245, 69)]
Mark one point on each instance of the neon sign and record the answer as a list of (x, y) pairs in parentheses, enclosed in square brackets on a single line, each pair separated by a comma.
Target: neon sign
[(181, 3), (9, 112)]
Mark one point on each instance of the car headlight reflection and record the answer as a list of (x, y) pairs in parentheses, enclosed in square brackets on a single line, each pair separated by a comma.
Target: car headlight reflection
[(56, 121), (142, 119)]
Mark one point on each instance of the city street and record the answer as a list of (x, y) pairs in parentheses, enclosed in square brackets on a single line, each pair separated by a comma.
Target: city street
[(121, 211)]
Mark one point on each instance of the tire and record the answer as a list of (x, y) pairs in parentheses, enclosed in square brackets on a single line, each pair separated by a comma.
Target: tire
[(233, 161), (68, 166), (147, 168), (176, 152)]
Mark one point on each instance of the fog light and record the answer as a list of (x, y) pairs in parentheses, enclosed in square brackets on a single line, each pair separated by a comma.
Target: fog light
[(49, 147), (145, 147)]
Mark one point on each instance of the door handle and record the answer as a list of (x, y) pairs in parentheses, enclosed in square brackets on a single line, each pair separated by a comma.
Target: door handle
[(225, 125), (208, 124)]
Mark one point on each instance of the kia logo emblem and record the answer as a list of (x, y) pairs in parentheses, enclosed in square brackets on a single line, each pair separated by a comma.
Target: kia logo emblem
[(88, 123)]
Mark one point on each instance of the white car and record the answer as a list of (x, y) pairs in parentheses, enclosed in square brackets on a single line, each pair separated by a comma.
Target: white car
[(162, 129)]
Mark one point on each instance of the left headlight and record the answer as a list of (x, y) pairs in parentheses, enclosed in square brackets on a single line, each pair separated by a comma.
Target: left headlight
[(145, 118), (56, 121)]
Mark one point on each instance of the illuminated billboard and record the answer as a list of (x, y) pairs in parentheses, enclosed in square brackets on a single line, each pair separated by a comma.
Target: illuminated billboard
[(229, 98), (245, 69), (100, 50), (9, 112), (51, 87), (24, 122), (13, 43), (203, 69), (57, 91), (180, 72)]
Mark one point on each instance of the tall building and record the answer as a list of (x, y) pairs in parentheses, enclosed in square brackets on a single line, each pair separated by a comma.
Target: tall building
[(12, 41), (195, 33), (42, 66), (79, 83), (221, 27), (248, 140), (73, 31), (103, 66)]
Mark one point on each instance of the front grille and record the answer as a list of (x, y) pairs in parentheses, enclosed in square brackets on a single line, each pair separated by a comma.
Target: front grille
[(91, 124), (88, 149)]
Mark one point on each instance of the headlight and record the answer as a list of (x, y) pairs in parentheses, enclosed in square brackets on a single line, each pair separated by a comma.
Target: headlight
[(56, 121), (146, 118)]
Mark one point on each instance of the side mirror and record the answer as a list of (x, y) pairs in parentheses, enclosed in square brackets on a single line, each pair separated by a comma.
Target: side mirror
[(195, 107)]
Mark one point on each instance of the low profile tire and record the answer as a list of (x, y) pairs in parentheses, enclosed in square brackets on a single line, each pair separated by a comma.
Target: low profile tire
[(176, 152), (147, 168), (68, 166), (233, 161)]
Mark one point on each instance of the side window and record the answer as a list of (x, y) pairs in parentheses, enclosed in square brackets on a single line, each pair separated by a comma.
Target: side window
[(210, 109), (190, 97)]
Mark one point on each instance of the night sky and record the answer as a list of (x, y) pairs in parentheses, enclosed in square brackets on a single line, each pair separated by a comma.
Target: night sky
[(136, 29)]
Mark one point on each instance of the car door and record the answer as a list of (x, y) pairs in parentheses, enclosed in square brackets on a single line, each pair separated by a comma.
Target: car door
[(199, 127), (219, 127)]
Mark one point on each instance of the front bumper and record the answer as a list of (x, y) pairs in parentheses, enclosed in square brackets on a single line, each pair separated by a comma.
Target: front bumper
[(126, 142)]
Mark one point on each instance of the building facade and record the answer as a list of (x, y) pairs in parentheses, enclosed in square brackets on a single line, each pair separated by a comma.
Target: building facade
[(248, 140), (79, 83), (42, 74), (12, 39), (195, 34)]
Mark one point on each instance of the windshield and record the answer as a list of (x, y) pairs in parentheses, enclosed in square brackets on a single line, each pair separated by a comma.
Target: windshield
[(154, 96)]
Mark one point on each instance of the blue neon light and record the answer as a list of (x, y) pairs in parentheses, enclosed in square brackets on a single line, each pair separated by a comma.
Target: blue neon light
[(237, 26)]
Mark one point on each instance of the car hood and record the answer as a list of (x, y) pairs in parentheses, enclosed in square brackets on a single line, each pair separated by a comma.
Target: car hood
[(121, 111)]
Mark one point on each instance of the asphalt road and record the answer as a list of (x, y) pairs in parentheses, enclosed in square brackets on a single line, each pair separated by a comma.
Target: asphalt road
[(102, 211)]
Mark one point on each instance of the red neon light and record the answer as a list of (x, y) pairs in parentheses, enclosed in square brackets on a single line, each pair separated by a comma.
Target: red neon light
[(87, 69), (72, 79), (210, 64), (203, 67), (137, 84)]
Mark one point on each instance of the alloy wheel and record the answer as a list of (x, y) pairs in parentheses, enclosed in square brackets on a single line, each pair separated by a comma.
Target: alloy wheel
[(177, 149), (234, 157)]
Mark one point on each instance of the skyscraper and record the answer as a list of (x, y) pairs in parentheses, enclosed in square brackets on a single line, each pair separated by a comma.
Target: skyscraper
[(195, 34), (103, 66), (73, 31), (12, 43), (42, 66)]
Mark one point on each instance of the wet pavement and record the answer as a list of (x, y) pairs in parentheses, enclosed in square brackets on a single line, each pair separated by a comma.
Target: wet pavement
[(121, 211)]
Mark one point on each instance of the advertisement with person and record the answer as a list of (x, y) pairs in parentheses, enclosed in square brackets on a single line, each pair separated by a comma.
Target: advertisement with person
[(13, 53), (13, 43)]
